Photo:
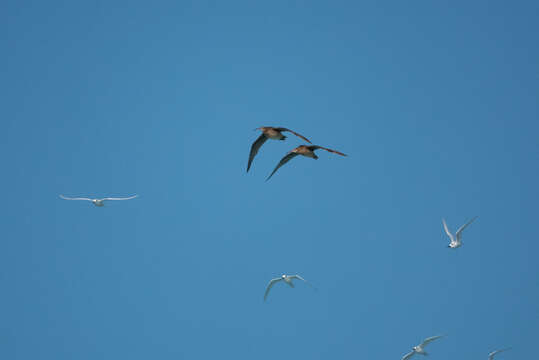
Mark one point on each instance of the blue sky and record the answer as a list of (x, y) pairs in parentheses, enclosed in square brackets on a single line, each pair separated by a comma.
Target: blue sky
[(435, 104)]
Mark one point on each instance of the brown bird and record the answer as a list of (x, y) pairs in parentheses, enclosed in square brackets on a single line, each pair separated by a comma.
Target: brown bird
[(269, 132), (305, 150)]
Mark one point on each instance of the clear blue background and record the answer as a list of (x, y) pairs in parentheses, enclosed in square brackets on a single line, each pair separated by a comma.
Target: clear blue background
[(435, 103)]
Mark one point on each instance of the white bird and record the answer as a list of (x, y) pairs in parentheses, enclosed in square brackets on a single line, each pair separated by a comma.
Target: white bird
[(98, 202), (287, 279), (419, 349), (456, 240), (491, 355)]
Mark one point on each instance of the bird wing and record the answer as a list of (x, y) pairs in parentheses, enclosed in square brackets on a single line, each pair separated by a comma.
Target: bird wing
[(430, 339), (79, 198), (270, 285), (314, 147), (283, 161), (457, 234), (293, 132), (409, 355), (302, 279), (447, 230), (125, 198), (254, 149), (491, 355)]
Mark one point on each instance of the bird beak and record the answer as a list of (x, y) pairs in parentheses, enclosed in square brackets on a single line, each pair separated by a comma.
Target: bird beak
[(256, 129)]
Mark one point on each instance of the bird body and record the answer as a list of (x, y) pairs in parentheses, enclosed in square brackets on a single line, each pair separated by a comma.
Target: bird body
[(98, 202), (288, 280), (456, 240), (419, 350), (272, 133), (305, 151)]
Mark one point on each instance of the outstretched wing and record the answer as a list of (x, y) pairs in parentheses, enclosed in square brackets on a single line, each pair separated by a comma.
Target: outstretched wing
[(430, 339), (315, 147), (491, 355), (79, 198), (125, 198), (447, 230), (293, 132), (270, 285), (283, 161), (457, 234), (254, 149), (409, 355), (302, 279)]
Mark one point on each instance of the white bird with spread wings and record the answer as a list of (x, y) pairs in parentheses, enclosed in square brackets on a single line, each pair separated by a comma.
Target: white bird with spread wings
[(420, 349), (287, 279), (456, 240), (98, 202), (491, 355)]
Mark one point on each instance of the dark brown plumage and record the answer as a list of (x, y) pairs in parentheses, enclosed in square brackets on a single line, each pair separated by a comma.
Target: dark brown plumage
[(269, 132), (304, 150)]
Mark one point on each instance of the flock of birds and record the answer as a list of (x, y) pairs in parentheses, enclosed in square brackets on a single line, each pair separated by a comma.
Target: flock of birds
[(420, 349), (275, 133)]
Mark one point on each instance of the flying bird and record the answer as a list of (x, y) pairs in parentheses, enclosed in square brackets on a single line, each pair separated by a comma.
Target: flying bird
[(98, 202), (491, 355), (305, 150), (456, 240), (269, 132), (287, 279), (420, 349)]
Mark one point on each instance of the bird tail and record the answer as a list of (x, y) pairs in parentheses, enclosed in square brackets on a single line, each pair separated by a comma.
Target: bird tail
[(315, 157), (284, 137)]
